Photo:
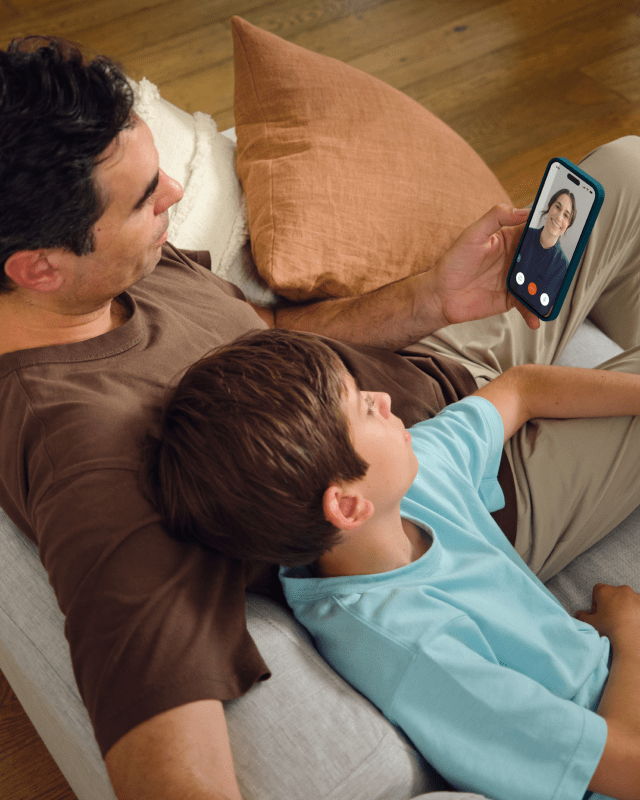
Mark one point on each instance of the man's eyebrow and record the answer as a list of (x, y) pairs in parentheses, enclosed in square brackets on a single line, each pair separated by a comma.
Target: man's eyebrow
[(153, 185)]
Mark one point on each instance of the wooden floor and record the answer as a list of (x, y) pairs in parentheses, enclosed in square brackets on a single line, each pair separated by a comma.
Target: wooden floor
[(521, 81)]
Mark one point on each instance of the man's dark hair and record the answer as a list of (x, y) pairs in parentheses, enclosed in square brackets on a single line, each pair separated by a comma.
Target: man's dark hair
[(58, 114), (249, 441)]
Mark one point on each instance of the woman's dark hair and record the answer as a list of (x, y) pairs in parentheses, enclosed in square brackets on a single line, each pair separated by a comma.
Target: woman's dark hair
[(553, 199), (249, 441), (58, 114)]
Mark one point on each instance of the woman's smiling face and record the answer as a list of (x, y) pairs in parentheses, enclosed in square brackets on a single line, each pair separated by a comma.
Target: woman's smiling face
[(559, 216)]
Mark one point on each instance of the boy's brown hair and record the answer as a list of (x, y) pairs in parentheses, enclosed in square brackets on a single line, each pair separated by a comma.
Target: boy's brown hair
[(250, 440)]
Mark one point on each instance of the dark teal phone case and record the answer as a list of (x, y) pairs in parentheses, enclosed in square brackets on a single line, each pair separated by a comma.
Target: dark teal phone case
[(580, 246)]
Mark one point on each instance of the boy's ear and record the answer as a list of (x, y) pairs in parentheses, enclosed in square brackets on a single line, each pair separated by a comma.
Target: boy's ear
[(345, 508), (32, 269)]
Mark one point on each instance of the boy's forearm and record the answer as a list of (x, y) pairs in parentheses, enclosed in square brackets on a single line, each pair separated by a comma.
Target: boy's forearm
[(618, 773), (573, 393), (536, 391), (615, 613)]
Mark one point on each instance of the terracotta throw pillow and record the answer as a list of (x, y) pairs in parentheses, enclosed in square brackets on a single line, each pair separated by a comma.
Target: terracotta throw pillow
[(349, 183)]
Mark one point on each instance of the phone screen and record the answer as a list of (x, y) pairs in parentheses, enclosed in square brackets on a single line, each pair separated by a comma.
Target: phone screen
[(548, 244)]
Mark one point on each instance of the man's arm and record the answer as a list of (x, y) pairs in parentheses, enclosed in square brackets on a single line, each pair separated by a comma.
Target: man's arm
[(615, 613), (469, 282), (535, 391), (182, 754)]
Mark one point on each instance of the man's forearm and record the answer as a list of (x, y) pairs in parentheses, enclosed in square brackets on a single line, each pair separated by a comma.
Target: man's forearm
[(390, 317), (467, 283), (181, 754)]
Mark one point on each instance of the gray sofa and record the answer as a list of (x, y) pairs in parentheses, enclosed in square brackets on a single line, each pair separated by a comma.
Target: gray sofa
[(305, 734)]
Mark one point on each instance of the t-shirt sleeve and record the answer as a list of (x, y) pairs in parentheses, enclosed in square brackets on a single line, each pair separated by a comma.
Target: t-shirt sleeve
[(152, 623), (490, 729), (466, 437)]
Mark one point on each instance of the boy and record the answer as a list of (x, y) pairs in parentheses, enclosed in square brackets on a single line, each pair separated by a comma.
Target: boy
[(395, 565)]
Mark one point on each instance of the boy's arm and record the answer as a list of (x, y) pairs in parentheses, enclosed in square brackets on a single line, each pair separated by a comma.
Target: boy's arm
[(615, 613), (534, 391)]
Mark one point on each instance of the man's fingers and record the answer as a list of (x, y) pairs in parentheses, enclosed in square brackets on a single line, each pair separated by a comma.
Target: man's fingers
[(528, 316), (501, 216), (532, 321)]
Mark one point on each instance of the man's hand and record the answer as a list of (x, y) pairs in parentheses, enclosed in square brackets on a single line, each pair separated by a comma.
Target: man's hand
[(471, 277)]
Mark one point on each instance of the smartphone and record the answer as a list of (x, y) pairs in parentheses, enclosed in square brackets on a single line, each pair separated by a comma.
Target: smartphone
[(557, 230)]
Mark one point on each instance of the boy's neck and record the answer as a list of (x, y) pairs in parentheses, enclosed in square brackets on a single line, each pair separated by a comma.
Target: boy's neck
[(376, 546)]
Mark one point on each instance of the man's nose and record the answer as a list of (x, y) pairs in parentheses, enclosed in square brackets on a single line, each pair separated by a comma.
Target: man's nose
[(170, 193)]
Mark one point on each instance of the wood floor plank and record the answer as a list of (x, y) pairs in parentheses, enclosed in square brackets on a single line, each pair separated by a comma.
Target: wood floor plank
[(473, 36), (199, 39), (365, 30), (620, 72), (27, 771), (521, 174), (547, 115), (536, 58), (7, 12), (210, 90), (185, 56)]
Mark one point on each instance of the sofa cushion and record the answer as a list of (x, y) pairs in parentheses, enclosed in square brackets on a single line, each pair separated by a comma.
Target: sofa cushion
[(350, 184), (305, 733)]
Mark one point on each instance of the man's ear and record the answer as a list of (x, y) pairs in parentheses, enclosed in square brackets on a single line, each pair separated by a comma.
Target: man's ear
[(345, 508), (34, 270)]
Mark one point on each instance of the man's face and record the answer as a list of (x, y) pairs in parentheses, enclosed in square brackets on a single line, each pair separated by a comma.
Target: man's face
[(381, 439), (132, 229)]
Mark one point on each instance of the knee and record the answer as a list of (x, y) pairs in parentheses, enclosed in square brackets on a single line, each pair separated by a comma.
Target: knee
[(616, 165), (619, 154)]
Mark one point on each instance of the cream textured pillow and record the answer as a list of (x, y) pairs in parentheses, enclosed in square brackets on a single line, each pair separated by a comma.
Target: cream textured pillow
[(212, 214), (349, 183)]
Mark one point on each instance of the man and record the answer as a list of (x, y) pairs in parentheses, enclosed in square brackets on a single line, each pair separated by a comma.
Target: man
[(97, 315)]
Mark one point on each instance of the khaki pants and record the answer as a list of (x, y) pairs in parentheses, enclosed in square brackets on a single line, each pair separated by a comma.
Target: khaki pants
[(575, 479)]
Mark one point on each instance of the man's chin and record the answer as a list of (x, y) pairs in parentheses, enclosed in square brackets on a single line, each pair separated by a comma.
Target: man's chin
[(150, 265)]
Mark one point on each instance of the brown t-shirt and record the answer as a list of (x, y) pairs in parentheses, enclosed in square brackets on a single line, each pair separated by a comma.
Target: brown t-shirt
[(152, 623)]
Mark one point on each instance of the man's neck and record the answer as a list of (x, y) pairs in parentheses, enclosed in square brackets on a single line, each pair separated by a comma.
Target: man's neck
[(24, 326), (375, 547)]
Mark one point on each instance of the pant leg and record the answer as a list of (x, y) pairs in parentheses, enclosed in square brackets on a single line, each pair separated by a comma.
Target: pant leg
[(575, 479), (617, 305)]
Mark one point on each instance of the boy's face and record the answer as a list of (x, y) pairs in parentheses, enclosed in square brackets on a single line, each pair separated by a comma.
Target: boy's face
[(381, 439)]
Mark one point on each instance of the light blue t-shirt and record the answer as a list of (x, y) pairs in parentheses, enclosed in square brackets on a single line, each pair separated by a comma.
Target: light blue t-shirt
[(465, 649)]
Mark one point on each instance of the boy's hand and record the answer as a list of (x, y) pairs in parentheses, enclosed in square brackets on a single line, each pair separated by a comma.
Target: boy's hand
[(471, 277), (615, 613)]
